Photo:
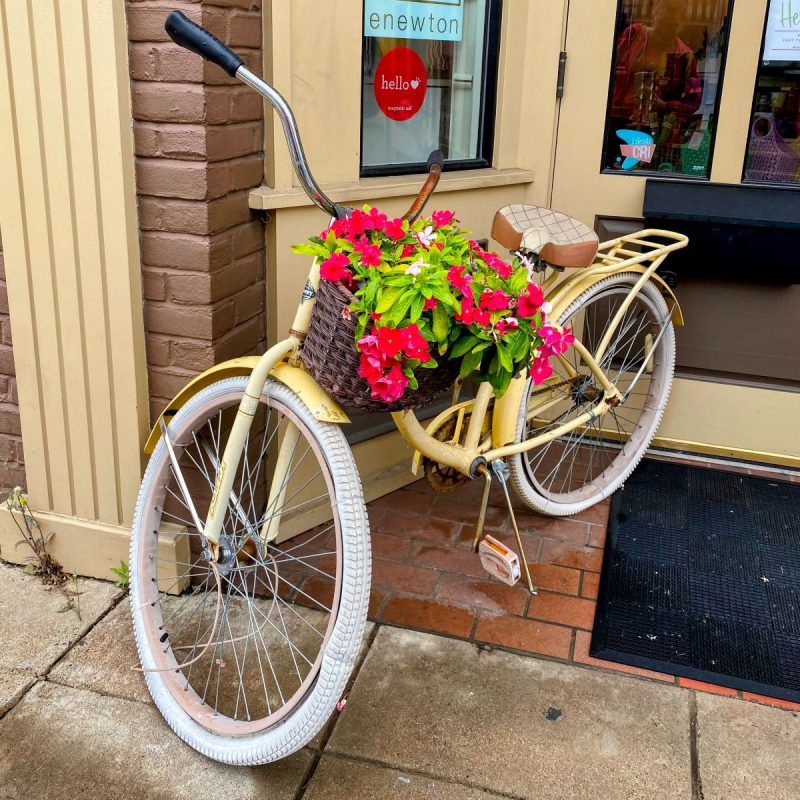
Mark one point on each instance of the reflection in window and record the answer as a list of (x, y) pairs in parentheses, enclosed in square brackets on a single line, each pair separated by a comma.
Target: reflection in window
[(664, 88), (427, 65), (773, 152)]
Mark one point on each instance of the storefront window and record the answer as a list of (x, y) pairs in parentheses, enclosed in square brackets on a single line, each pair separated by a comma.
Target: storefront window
[(665, 85), (773, 151), (429, 81)]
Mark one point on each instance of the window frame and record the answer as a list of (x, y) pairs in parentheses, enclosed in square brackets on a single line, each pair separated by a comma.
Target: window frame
[(795, 185), (487, 114), (717, 104)]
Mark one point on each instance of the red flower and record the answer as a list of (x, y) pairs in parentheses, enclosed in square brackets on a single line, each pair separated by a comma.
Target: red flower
[(470, 315), (496, 300), (376, 220), (370, 253), (335, 268), (390, 342), (390, 387), (394, 229), (458, 279), (530, 301), (408, 250), (359, 223), (430, 304), (414, 343), (442, 218)]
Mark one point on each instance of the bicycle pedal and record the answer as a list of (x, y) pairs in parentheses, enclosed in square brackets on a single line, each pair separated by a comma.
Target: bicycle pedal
[(499, 561)]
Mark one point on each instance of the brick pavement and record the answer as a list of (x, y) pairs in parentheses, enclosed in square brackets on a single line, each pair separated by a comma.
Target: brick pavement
[(425, 576)]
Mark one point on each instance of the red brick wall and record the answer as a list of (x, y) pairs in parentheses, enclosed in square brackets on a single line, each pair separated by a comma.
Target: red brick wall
[(12, 462), (199, 139)]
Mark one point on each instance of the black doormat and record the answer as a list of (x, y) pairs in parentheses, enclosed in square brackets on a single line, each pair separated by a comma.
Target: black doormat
[(701, 578)]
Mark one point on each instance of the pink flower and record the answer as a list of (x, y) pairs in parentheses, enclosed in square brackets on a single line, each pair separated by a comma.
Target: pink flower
[(541, 370), (335, 268), (496, 300), (458, 279), (530, 301), (390, 387), (475, 247), (377, 221), (430, 304), (442, 218), (394, 229), (370, 369), (506, 325), (340, 227), (555, 340), (502, 268), (370, 253), (414, 343)]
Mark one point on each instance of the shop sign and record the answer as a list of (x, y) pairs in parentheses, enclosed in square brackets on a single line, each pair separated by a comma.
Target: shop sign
[(401, 84), (638, 147), (415, 19), (782, 42)]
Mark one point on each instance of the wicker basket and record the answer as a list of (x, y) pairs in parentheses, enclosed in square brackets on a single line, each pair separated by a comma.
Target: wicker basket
[(329, 352)]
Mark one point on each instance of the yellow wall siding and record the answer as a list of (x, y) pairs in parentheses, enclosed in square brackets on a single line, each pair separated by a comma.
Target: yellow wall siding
[(67, 208)]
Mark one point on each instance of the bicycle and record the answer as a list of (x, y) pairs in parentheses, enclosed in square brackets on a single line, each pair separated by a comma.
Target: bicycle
[(250, 550)]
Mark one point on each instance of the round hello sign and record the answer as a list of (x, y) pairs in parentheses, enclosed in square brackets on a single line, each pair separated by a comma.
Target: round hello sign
[(400, 84)]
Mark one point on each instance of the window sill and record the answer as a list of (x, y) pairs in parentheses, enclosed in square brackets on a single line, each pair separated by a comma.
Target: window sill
[(265, 198)]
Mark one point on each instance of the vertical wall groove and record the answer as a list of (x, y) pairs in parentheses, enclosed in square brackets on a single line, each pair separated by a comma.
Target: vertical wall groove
[(77, 259), (67, 505), (37, 443)]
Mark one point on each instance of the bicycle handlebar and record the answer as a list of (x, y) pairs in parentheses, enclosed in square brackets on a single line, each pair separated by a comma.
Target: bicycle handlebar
[(190, 35), (193, 37), (435, 165)]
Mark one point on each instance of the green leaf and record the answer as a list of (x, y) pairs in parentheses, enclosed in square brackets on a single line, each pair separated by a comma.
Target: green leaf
[(470, 363), (463, 345), (441, 323), (416, 307), (399, 309), (506, 361), (388, 299)]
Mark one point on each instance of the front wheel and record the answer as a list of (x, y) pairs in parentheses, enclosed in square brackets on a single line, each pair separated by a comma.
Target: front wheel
[(247, 653), (578, 469)]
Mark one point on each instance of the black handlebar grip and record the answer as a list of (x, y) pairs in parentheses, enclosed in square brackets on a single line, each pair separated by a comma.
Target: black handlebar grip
[(193, 37), (435, 157)]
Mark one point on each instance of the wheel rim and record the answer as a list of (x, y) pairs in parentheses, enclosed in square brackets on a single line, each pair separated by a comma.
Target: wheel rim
[(278, 602), (584, 463)]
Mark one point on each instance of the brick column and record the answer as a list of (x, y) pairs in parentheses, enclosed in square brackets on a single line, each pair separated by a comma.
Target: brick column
[(199, 142), (12, 462)]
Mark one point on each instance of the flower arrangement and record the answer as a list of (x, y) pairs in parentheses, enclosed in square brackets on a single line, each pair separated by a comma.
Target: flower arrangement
[(425, 292)]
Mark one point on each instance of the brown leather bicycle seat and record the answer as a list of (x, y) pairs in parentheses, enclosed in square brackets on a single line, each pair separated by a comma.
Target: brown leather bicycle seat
[(558, 239)]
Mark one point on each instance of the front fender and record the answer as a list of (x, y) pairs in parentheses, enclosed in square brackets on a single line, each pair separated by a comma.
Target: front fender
[(321, 405)]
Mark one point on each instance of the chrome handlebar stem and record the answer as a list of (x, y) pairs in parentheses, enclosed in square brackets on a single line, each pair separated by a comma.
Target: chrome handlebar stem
[(276, 100)]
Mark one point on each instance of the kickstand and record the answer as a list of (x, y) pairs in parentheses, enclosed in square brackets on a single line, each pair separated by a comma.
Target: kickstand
[(487, 487), (501, 470)]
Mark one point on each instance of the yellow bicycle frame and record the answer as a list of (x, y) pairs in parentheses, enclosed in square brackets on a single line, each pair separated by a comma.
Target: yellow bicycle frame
[(282, 362)]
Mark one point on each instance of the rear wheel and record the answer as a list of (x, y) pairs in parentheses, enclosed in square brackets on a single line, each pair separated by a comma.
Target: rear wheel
[(247, 656), (578, 469)]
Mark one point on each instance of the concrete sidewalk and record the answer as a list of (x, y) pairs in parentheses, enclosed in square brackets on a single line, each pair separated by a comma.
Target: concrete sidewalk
[(427, 717)]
